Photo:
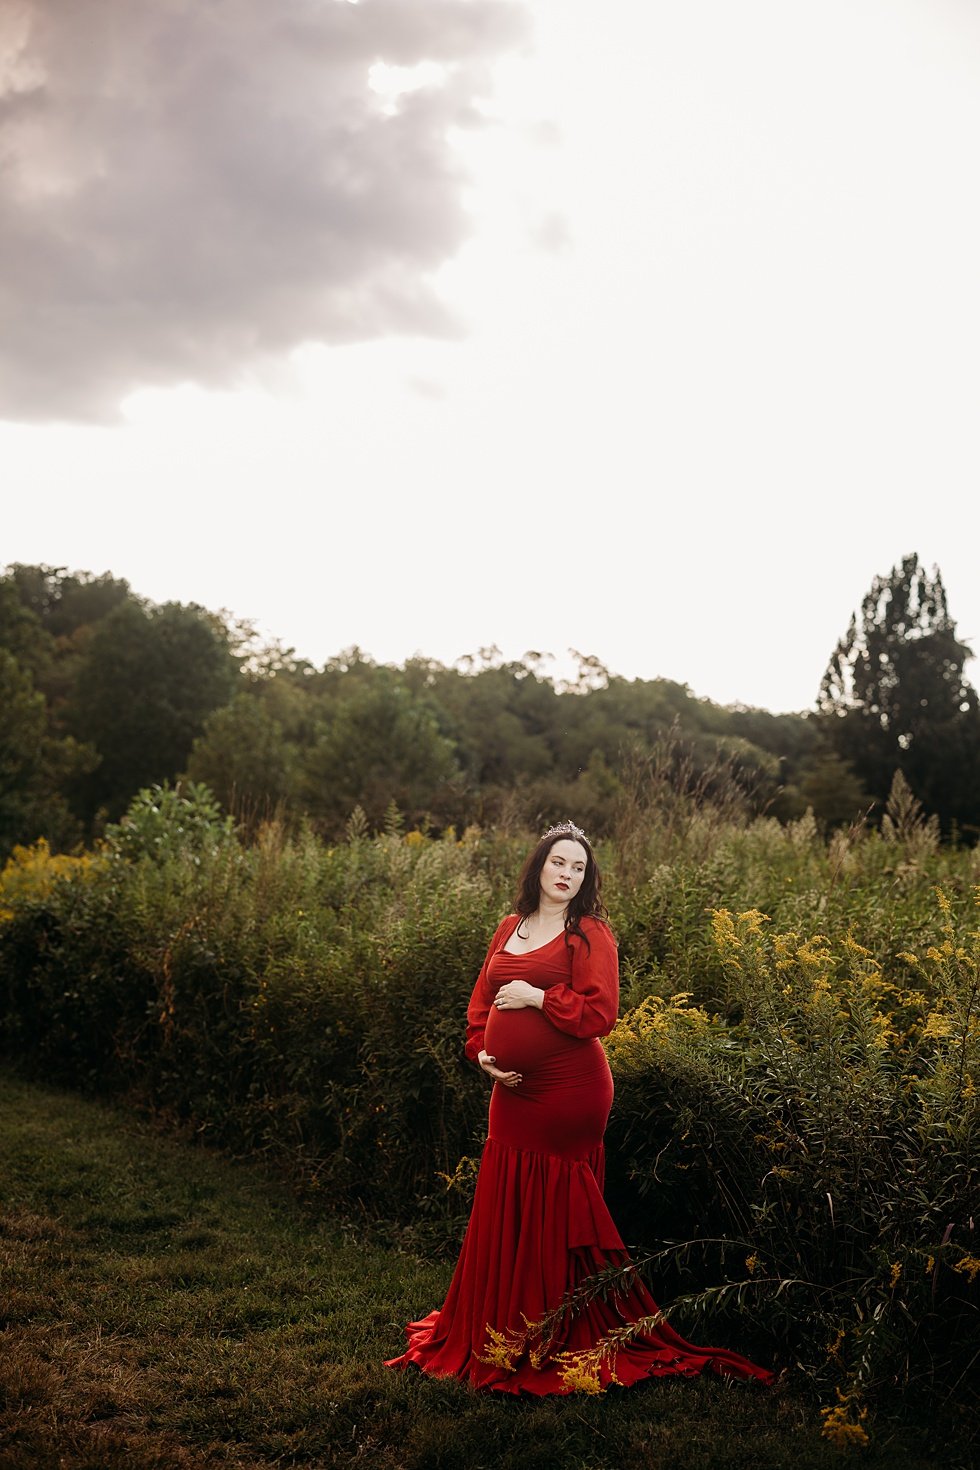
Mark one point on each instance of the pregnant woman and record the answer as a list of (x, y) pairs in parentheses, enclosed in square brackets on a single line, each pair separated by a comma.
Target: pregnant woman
[(539, 1227)]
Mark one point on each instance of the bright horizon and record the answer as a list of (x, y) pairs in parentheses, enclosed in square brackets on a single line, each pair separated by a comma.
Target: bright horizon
[(661, 354)]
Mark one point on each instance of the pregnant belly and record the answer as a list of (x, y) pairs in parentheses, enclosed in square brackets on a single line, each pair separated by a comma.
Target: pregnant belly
[(523, 1041)]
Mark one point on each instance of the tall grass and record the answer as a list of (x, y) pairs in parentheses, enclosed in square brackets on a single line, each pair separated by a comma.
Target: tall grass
[(796, 1067), (163, 1309)]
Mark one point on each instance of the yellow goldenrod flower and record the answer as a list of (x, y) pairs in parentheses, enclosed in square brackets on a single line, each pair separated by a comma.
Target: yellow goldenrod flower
[(968, 1266), (843, 1424), (503, 1350), (895, 1275), (580, 1372), (752, 921)]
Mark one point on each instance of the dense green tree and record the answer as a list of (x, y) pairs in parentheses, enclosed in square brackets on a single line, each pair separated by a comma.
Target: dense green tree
[(22, 634), (246, 757), (379, 746), (61, 609), (503, 721), (149, 678), (832, 791), (154, 691), (894, 696), (64, 601), (34, 766)]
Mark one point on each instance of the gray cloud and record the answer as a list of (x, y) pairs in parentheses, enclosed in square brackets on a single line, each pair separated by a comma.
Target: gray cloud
[(188, 186)]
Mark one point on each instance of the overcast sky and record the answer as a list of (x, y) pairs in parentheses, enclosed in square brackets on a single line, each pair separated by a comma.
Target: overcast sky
[(649, 329)]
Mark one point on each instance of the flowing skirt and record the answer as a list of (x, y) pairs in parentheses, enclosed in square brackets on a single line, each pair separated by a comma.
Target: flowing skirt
[(538, 1229)]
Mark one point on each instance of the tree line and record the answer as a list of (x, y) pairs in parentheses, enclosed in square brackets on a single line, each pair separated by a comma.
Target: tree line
[(103, 693)]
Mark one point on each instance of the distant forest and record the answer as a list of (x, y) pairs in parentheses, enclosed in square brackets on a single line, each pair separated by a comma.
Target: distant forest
[(103, 693)]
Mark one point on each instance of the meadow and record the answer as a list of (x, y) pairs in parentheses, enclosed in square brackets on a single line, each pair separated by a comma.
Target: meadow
[(793, 1150)]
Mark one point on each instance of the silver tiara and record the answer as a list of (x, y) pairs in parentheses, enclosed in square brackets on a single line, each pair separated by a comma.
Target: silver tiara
[(565, 829)]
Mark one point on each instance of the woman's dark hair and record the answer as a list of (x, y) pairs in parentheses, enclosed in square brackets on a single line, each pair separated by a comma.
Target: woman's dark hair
[(587, 903)]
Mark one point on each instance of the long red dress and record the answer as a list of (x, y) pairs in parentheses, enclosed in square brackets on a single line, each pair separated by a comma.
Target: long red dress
[(539, 1225)]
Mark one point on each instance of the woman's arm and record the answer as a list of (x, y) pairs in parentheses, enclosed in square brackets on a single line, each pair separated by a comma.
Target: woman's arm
[(589, 1004), (482, 998)]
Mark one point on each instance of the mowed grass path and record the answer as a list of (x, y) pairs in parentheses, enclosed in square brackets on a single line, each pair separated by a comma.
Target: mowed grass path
[(161, 1306)]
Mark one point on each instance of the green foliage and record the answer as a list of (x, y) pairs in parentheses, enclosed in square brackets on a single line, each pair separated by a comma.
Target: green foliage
[(379, 744), (135, 694), (33, 764), (830, 1124), (247, 758), (148, 680), (796, 1095), (167, 1308), (62, 602), (100, 694), (895, 697), (167, 824), (22, 634)]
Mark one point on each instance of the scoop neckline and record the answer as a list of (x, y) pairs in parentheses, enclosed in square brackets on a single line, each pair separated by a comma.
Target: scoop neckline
[(522, 954)]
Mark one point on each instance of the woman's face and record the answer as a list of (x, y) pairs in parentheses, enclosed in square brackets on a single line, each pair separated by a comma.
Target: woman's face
[(563, 871)]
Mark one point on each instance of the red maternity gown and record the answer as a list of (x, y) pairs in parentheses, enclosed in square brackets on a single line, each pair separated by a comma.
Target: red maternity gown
[(539, 1225)]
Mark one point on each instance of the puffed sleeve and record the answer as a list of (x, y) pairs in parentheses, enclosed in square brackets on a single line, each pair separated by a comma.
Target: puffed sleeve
[(589, 1004), (482, 998)]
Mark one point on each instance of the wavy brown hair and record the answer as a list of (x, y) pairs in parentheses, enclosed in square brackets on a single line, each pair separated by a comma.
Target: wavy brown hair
[(587, 903)]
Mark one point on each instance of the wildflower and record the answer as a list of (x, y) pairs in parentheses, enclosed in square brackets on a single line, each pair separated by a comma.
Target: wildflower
[(886, 1032), (580, 1372), (968, 1266), (463, 1174), (937, 1027), (896, 1274), (908, 957), (726, 940), (821, 990), (944, 903), (851, 943), (752, 1264), (833, 1348), (930, 1265), (841, 1427), (502, 1350)]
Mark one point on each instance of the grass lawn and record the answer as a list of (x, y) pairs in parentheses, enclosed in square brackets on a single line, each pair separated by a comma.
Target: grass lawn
[(161, 1306)]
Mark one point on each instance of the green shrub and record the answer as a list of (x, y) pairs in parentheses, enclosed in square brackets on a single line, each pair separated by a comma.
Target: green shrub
[(795, 1096)]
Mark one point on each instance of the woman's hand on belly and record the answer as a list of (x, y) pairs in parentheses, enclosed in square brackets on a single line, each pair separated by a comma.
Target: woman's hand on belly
[(488, 1064), (516, 995)]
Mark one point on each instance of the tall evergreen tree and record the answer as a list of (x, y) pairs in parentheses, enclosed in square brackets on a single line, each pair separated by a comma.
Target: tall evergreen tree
[(894, 696)]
